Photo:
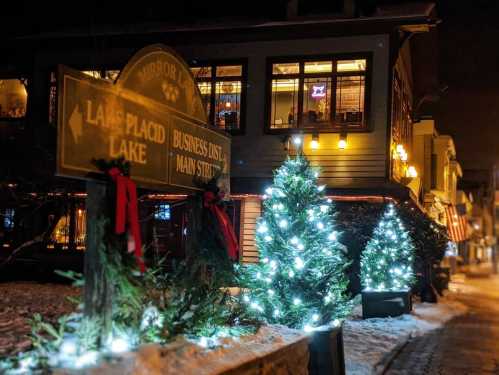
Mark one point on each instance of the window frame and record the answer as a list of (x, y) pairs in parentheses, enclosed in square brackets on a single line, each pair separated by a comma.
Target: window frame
[(333, 127), (213, 80)]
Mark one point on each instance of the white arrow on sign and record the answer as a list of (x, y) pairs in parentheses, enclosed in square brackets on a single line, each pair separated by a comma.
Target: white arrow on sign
[(76, 123)]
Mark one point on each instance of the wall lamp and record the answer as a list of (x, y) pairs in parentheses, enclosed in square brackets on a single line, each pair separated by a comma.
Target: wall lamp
[(314, 143), (342, 143)]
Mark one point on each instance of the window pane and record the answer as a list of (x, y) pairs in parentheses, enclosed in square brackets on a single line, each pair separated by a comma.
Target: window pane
[(162, 212), (287, 68), (350, 93), (111, 75), (8, 218), (227, 104), (205, 89), (284, 103), (201, 72), (358, 65), (60, 235), (230, 71), (13, 98), (319, 67), (108, 75), (316, 100), (81, 228)]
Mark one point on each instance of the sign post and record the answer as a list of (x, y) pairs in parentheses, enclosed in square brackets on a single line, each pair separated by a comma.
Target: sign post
[(154, 117)]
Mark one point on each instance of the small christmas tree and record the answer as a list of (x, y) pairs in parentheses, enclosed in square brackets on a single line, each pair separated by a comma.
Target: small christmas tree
[(300, 280), (386, 263)]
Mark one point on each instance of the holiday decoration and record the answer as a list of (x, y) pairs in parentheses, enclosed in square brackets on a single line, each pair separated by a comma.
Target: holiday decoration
[(127, 213), (212, 202), (387, 261), (300, 279)]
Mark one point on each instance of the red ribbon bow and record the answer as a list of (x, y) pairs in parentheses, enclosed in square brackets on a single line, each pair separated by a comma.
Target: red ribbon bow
[(210, 201), (127, 213)]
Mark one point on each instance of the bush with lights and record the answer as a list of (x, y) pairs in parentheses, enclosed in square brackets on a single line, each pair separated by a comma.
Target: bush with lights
[(387, 261), (300, 280)]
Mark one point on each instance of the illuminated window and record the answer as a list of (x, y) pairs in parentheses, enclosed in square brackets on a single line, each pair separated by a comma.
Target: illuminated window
[(401, 113), (222, 91), (8, 218), (284, 103), (108, 75), (328, 94), (13, 98), (162, 212), (60, 237)]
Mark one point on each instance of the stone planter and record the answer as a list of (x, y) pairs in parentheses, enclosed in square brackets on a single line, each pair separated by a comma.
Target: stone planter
[(326, 352), (385, 304)]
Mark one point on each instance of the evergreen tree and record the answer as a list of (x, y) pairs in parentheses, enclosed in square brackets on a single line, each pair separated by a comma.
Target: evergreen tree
[(300, 280), (387, 261)]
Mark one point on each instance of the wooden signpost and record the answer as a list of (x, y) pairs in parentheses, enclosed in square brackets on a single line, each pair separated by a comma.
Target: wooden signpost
[(153, 116)]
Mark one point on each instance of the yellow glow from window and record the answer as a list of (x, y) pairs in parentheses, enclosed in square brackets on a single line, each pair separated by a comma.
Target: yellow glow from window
[(314, 144), (342, 144), (357, 65), (319, 67)]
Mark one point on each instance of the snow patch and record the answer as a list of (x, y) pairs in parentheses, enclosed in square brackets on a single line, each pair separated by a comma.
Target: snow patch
[(370, 344), (185, 357)]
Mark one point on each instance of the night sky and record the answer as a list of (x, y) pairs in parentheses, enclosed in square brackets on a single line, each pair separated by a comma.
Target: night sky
[(469, 66)]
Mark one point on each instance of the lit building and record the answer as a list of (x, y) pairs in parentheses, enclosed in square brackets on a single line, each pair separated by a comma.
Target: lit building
[(346, 85)]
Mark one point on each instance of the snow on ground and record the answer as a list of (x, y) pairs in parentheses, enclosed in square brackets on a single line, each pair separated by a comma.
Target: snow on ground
[(371, 343), (188, 358)]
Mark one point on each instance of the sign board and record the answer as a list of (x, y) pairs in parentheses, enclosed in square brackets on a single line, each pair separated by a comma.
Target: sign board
[(152, 115)]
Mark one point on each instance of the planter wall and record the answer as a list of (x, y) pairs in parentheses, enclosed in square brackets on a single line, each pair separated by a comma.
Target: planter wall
[(274, 351), (326, 352), (385, 304)]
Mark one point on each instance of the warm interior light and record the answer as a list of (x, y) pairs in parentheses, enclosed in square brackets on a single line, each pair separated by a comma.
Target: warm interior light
[(400, 149), (314, 143), (411, 172), (342, 143)]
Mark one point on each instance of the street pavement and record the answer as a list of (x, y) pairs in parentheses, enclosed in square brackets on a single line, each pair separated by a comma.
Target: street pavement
[(466, 345)]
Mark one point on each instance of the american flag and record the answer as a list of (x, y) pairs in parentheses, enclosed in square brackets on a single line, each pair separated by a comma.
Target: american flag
[(456, 224)]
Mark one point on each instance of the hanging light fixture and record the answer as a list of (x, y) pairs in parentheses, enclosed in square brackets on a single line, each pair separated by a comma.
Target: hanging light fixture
[(314, 143), (342, 143), (297, 140)]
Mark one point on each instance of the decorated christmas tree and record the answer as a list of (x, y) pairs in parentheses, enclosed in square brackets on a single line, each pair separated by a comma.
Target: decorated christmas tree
[(300, 280), (387, 261)]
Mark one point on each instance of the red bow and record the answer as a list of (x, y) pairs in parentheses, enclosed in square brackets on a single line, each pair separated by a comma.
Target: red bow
[(127, 213), (210, 200)]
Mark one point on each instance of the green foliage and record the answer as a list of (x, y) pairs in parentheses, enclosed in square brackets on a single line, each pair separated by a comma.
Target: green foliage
[(387, 261), (300, 280)]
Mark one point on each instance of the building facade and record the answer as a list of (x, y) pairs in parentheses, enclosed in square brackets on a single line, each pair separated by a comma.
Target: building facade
[(346, 85)]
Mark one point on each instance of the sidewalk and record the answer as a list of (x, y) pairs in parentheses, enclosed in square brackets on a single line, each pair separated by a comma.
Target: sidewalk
[(466, 344), (371, 344)]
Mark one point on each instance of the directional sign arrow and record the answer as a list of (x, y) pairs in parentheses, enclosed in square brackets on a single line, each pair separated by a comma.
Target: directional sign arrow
[(76, 123)]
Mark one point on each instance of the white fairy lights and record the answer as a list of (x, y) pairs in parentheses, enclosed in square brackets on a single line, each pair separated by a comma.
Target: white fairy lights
[(386, 263), (299, 247)]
